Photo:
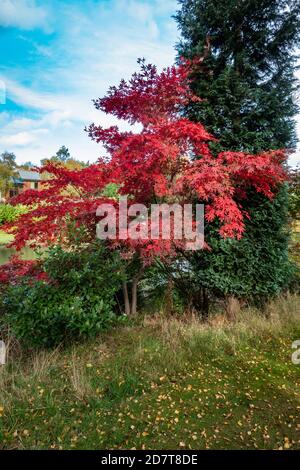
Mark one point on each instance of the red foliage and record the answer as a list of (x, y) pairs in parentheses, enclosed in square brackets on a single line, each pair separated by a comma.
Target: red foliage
[(167, 160), (16, 269)]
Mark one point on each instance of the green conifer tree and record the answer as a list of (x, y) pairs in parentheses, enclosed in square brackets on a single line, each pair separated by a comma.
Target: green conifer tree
[(248, 85)]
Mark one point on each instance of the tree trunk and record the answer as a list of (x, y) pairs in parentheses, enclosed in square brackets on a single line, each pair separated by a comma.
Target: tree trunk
[(135, 282), (126, 298), (134, 296)]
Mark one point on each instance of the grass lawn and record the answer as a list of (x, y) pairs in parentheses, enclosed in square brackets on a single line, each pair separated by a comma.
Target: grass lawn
[(162, 384), (5, 238)]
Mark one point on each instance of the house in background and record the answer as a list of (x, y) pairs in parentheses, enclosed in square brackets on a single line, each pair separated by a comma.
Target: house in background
[(24, 180)]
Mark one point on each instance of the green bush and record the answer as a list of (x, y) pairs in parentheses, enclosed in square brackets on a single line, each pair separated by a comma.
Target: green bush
[(76, 302), (10, 213)]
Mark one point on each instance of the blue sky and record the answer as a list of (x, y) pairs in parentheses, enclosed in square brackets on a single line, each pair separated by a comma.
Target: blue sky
[(57, 55)]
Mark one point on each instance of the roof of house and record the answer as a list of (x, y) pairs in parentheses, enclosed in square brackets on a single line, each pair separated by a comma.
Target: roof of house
[(26, 175)]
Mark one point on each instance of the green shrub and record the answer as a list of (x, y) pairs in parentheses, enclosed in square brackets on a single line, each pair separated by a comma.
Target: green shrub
[(77, 302), (10, 213)]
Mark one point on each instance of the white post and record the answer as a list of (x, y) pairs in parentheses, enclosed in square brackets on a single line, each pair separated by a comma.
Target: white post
[(2, 353)]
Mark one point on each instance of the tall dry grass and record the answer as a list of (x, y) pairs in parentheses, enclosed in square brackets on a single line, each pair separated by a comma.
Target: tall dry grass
[(156, 345)]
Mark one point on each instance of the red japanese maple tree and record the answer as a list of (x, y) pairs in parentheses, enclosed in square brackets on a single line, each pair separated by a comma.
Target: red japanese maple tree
[(164, 157)]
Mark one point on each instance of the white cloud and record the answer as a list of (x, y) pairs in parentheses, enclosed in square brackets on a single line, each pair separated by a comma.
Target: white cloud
[(93, 52), (24, 14), (56, 109), (58, 120), (26, 97), (38, 48), (23, 138), (144, 13)]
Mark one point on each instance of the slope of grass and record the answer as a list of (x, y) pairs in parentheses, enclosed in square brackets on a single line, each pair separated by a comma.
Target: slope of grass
[(161, 384), (5, 238)]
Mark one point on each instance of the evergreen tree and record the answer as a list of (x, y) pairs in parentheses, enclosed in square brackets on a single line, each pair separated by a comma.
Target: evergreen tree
[(63, 154), (8, 159), (248, 85), (7, 172), (247, 81)]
